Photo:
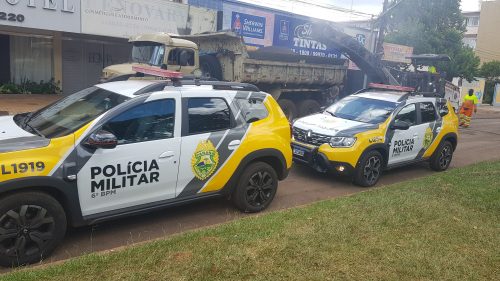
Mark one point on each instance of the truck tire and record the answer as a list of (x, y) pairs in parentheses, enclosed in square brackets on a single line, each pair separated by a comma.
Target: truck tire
[(308, 107), (288, 108), (210, 68), (256, 188), (32, 225)]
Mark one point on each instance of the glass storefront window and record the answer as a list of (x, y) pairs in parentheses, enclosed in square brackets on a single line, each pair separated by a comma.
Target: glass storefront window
[(31, 59)]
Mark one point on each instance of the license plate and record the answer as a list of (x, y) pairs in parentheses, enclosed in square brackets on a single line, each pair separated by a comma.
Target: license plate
[(298, 152)]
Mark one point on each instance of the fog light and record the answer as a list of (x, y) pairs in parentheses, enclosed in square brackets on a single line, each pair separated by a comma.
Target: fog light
[(340, 168)]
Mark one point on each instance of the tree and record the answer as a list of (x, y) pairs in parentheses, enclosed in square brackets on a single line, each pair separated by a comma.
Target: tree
[(434, 26), (490, 70)]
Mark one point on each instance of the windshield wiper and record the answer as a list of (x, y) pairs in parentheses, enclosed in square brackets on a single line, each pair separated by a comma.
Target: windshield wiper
[(331, 113), (34, 130)]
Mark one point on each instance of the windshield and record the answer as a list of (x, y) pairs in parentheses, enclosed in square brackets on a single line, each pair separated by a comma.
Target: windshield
[(148, 52), (362, 109), (72, 112)]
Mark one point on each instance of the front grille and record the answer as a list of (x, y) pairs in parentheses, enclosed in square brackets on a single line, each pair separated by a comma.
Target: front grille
[(314, 139)]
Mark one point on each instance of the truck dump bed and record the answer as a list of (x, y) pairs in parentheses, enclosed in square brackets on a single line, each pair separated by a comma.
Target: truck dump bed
[(268, 65)]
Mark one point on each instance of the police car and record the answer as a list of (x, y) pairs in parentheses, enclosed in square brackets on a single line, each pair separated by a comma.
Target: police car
[(126, 147), (378, 128)]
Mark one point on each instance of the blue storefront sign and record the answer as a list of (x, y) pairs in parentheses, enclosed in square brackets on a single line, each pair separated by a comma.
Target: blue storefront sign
[(248, 25), (296, 34)]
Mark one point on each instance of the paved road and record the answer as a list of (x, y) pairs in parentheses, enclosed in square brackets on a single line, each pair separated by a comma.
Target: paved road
[(479, 143)]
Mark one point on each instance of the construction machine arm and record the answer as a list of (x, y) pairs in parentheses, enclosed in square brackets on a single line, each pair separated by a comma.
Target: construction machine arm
[(368, 62)]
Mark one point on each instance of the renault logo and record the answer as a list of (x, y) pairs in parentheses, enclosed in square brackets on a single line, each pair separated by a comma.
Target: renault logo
[(309, 134)]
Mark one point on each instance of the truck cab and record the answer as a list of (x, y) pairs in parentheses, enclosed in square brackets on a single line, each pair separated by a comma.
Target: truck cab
[(156, 49)]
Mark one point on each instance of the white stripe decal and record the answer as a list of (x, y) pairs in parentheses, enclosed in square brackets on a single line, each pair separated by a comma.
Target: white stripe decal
[(221, 140), (227, 160)]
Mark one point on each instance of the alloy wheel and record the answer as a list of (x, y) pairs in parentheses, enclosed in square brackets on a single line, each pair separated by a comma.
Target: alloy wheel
[(445, 157), (371, 171), (259, 188), (25, 231)]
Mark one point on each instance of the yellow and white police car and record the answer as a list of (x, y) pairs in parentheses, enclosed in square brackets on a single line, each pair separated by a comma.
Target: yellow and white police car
[(378, 128), (127, 147)]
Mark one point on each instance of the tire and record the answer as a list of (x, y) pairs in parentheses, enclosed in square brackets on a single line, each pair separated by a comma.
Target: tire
[(308, 107), (210, 68), (256, 188), (288, 108), (369, 169), (34, 223), (442, 157)]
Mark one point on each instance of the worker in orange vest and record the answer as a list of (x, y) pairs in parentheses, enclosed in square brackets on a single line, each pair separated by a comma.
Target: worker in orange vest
[(469, 104)]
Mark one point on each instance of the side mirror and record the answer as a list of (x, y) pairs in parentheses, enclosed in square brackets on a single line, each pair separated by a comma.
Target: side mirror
[(102, 139), (443, 111), (400, 125)]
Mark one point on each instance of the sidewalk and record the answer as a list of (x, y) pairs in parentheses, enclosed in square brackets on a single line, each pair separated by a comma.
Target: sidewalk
[(13, 104)]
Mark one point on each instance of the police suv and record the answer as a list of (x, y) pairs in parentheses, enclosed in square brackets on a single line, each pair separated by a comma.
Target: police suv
[(126, 147), (378, 128)]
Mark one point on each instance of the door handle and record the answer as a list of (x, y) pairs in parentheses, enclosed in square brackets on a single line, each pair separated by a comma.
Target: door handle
[(234, 144), (167, 154)]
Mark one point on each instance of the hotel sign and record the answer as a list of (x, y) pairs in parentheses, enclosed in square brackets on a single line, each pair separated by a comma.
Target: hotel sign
[(58, 15)]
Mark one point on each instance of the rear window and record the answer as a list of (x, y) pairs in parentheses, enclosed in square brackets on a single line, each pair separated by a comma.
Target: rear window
[(252, 109), (208, 115)]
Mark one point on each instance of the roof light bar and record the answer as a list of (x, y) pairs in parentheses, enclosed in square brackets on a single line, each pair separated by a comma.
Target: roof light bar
[(391, 87), (155, 71)]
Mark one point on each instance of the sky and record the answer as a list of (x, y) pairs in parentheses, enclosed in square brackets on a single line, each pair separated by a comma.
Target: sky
[(368, 7)]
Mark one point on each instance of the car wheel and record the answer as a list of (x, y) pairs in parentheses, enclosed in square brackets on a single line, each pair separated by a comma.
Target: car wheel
[(256, 188), (369, 169), (442, 157), (32, 224)]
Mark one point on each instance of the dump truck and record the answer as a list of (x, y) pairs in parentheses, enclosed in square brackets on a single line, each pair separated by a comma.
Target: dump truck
[(300, 84)]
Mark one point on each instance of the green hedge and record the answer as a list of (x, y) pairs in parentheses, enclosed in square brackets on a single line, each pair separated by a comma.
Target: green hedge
[(31, 87)]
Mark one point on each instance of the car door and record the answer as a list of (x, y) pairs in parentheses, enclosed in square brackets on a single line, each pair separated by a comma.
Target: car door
[(430, 126), (142, 168), (210, 135), (404, 143)]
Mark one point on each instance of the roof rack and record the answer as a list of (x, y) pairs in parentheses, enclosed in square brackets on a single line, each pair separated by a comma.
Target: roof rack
[(176, 79), (217, 85), (391, 87)]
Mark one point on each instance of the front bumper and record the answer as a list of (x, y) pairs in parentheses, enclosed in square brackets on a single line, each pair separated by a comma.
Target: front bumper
[(310, 156)]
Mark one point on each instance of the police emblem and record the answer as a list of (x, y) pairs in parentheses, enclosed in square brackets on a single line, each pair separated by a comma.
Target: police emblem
[(429, 135), (204, 160)]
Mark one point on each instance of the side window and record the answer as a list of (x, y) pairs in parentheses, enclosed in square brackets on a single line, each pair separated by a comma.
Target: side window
[(252, 110), (408, 114), (146, 122), (208, 115), (428, 112), (179, 56)]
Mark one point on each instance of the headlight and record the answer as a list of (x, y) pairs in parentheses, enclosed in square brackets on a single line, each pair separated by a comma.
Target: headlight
[(342, 141)]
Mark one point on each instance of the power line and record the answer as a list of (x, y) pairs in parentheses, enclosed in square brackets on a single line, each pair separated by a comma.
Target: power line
[(333, 7)]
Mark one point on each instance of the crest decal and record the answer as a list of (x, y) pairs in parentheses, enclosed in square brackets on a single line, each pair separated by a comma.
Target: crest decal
[(204, 160), (428, 137)]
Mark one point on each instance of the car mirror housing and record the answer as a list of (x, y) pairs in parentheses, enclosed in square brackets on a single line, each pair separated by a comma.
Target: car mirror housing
[(102, 139), (400, 125)]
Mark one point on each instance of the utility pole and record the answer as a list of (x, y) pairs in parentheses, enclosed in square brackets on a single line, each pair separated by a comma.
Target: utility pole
[(381, 32)]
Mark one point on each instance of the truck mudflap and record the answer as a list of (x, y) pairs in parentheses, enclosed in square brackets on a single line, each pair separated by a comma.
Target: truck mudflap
[(310, 156)]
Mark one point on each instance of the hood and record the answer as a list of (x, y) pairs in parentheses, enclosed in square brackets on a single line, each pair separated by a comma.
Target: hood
[(13, 138), (326, 124), (119, 69)]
